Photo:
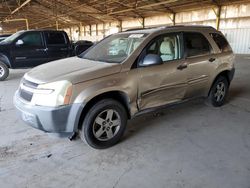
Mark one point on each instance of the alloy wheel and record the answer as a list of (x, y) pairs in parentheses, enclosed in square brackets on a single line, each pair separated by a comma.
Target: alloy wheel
[(1, 71), (220, 92), (106, 125)]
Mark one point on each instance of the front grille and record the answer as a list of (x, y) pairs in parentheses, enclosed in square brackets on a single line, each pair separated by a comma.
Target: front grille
[(27, 95), (29, 83)]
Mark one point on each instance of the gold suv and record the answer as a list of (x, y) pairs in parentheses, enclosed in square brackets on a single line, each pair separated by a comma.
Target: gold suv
[(124, 74)]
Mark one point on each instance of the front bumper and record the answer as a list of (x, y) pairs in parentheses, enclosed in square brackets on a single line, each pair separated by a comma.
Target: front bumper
[(49, 119)]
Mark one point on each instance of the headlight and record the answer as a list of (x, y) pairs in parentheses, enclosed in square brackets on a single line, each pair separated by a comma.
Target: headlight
[(52, 94)]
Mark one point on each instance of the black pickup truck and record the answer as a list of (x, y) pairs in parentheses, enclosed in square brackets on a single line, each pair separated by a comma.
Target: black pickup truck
[(26, 49)]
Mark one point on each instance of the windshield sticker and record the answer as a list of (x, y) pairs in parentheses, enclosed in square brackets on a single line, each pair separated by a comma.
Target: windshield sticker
[(136, 36)]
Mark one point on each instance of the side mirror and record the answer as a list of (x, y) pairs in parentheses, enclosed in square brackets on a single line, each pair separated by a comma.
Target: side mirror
[(19, 42), (151, 59)]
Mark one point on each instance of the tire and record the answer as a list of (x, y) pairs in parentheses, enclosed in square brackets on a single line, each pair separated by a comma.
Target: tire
[(218, 92), (104, 124), (4, 71)]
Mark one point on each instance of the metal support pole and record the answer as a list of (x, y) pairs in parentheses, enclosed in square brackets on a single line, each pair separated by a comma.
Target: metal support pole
[(218, 18), (57, 27), (120, 26), (27, 24), (80, 29), (103, 29), (70, 33), (96, 29), (143, 23), (90, 30), (174, 18)]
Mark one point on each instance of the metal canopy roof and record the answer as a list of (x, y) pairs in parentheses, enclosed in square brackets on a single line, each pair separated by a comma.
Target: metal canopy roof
[(46, 13)]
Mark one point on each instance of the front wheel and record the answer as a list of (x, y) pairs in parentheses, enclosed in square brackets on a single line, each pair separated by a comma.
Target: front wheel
[(104, 124), (218, 92), (4, 71)]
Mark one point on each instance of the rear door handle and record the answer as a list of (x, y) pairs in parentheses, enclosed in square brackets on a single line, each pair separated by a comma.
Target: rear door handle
[(212, 59), (182, 66)]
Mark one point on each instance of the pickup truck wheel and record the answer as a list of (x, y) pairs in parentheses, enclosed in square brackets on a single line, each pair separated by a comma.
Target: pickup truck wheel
[(4, 71), (104, 124), (218, 92)]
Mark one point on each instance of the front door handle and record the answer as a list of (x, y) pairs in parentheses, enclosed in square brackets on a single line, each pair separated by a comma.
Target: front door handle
[(42, 50), (63, 49), (182, 66), (212, 59)]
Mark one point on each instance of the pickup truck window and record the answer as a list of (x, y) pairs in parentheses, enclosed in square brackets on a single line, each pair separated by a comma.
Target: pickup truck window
[(55, 38), (12, 37), (32, 39), (116, 48)]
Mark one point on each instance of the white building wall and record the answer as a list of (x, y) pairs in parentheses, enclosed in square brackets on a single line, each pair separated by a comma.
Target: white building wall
[(132, 23), (158, 20), (201, 17), (239, 39), (235, 23)]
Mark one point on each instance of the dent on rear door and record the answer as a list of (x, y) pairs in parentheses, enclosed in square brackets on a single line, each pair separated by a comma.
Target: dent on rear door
[(198, 75)]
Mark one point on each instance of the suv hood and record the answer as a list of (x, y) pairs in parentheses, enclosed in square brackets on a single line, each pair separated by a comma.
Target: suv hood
[(73, 69)]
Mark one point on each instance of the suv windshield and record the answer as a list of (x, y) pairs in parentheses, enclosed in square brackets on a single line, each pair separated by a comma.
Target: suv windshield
[(115, 48), (12, 37)]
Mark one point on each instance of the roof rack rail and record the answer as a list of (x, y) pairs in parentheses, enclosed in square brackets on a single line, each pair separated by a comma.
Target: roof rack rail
[(139, 28), (169, 26)]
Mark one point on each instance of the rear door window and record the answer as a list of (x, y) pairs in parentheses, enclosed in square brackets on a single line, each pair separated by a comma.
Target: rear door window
[(55, 38), (196, 44), (221, 42)]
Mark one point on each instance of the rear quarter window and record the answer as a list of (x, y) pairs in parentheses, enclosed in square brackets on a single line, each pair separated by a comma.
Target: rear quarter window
[(221, 42), (55, 38)]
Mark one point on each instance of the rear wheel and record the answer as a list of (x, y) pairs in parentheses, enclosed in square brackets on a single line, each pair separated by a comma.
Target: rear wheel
[(218, 92), (4, 71), (104, 124)]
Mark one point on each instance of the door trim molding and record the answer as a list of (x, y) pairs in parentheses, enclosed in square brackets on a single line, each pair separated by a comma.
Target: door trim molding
[(202, 78)]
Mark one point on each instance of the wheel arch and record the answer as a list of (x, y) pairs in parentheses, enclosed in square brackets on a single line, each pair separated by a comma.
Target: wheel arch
[(4, 59), (119, 96), (225, 73)]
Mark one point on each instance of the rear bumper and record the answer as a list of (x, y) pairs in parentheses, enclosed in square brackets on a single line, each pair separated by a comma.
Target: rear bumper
[(49, 119)]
